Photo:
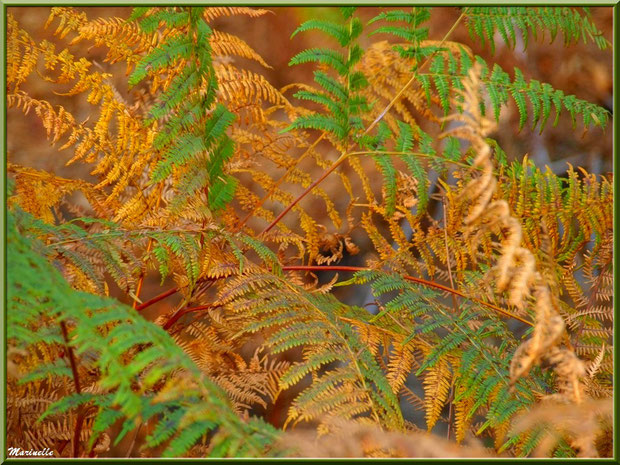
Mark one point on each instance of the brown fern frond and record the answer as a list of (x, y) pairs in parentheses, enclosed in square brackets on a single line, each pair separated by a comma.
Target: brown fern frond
[(516, 266)]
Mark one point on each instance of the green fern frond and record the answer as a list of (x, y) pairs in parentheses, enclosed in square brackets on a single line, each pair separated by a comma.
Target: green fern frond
[(501, 87), (321, 123), (325, 56), (288, 311), (483, 22), (342, 99), (417, 16), (412, 32), (404, 143), (343, 34), (191, 130), (49, 296)]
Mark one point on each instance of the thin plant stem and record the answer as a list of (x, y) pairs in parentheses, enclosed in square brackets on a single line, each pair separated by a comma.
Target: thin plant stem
[(136, 299), (326, 173), (344, 156), (78, 389), (184, 311), (424, 282), (445, 237), (413, 78), (277, 183), (157, 298)]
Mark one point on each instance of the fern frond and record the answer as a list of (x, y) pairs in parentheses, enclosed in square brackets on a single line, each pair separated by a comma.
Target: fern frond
[(436, 391), (501, 87), (184, 142), (484, 22), (338, 32), (216, 12), (251, 330), (289, 310), (118, 361), (224, 44)]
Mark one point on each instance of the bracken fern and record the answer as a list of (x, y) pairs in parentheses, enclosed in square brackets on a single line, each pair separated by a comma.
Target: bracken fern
[(486, 283)]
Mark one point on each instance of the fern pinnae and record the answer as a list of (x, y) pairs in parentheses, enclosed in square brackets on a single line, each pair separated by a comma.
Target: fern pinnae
[(325, 56), (91, 339), (500, 86), (484, 21), (178, 98), (199, 141)]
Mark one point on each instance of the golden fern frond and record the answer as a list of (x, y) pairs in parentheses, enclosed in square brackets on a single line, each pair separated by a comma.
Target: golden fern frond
[(245, 91), (224, 44), (119, 159), (400, 364), (388, 75), (39, 192), (216, 12), (123, 39), (56, 123), (462, 417), (437, 383), (22, 55), (70, 20), (290, 317), (248, 383)]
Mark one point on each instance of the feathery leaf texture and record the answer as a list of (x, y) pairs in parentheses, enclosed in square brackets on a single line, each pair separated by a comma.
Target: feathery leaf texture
[(134, 359), (484, 22), (482, 288)]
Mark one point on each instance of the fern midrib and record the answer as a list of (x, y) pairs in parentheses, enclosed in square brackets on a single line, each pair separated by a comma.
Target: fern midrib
[(415, 75), (408, 278), (352, 356), (511, 86), (343, 156)]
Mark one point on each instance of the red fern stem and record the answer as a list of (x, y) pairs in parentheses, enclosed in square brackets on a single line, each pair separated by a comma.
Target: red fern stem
[(352, 269), (326, 173), (183, 311), (424, 282), (157, 298), (78, 390)]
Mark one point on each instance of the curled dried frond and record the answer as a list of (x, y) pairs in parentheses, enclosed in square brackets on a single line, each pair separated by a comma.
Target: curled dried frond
[(516, 267), (581, 425)]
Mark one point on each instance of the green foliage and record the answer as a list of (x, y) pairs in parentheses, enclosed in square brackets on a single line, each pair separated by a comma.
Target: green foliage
[(411, 32), (215, 134), (447, 69), (340, 97), (194, 138), (346, 379), (135, 359), (473, 343), (501, 88), (484, 22)]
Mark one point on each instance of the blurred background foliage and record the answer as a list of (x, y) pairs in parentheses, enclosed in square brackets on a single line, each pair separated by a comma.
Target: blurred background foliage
[(581, 69)]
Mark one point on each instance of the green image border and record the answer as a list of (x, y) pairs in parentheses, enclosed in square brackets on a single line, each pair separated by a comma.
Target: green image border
[(316, 3)]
